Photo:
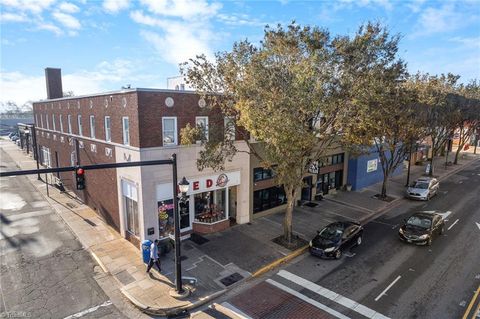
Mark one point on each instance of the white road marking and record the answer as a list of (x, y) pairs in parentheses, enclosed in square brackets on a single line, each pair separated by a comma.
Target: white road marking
[(478, 225), (90, 310), (237, 311), (306, 299), (463, 303), (453, 224), (344, 301), (386, 289)]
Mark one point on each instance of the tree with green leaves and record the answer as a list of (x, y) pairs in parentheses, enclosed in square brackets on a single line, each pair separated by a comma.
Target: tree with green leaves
[(382, 112), (281, 98), (436, 95), (467, 114)]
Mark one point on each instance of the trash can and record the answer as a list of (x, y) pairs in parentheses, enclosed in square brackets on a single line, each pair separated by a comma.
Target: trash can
[(146, 250)]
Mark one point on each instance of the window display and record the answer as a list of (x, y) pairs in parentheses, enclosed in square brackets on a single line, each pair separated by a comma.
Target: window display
[(210, 206)]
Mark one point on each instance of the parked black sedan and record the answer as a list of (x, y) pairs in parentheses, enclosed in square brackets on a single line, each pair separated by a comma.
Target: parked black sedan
[(336, 237), (421, 228)]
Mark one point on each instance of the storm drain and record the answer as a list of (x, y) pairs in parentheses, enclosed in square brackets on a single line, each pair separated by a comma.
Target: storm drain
[(230, 280)]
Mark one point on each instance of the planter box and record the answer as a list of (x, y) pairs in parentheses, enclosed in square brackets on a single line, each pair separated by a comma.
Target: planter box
[(208, 228)]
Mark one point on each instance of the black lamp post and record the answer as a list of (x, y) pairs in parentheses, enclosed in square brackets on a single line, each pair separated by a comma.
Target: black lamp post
[(183, 187)]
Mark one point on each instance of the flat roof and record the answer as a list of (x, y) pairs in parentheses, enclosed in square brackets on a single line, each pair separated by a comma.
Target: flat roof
[(122, 91)]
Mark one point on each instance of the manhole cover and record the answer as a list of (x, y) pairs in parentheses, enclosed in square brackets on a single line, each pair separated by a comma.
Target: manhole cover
[(230, 280), (124, 277)]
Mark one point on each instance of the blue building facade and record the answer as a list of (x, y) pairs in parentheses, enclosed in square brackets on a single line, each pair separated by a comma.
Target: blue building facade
[(366, 170)]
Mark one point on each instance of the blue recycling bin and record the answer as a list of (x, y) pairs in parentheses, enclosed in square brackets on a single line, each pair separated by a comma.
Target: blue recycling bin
[(146, 250)]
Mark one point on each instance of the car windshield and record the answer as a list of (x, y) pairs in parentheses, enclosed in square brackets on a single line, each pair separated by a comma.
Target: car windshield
[(421, 185), (419, 221), (331, 232)]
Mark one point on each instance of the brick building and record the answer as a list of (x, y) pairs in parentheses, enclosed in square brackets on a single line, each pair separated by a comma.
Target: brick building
[(136, 124)]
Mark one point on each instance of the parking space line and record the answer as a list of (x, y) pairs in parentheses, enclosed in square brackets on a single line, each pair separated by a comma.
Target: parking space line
[(90, 310), (386, 289), (453, 224), (306, 299), (324, 292)]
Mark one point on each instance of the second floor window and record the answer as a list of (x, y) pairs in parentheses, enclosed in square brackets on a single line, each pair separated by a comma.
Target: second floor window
[(108, 131), (80, 130), (46, 120), (61, 123), (92, 126), (229, 128), (169, 130), (41, 120), (53, 122), (202, 123), (69, 118), (126, 133)]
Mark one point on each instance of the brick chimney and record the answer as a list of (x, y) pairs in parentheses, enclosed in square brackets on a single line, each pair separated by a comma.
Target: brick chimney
[(53, 77)]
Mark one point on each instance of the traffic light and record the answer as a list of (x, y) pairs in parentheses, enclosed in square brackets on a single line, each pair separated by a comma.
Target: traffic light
[(80, 178)]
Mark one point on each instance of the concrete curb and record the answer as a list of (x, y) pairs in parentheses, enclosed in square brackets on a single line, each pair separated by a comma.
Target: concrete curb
[(170, 311), (280, 261), (99, 262)]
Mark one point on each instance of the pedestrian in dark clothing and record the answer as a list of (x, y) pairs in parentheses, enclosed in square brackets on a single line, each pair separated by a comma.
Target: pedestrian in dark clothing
[(154, 256)]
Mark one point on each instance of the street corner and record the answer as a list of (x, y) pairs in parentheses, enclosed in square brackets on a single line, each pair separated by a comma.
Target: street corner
[(259, 272)]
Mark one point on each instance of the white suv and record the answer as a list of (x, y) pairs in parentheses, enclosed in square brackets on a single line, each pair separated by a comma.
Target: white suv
[(423, 188)]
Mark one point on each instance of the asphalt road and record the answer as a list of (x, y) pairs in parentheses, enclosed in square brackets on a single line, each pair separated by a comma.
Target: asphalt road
[(45, 273), (384, 277)]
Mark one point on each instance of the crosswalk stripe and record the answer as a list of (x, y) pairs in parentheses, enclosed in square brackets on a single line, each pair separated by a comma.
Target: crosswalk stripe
[(309, 300), (344, 301)]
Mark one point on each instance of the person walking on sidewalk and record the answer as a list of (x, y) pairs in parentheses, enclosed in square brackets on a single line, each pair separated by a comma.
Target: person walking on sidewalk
[(154, 256)]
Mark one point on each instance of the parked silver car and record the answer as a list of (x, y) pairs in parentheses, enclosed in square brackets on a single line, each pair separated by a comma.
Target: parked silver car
[(423, 188)]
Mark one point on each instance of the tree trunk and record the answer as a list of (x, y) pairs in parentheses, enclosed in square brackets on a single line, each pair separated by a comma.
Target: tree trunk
[(287, 223), (430, 172), (460, 146), (383, 195)]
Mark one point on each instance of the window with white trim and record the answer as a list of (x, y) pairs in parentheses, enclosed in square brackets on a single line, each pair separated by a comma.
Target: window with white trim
[(129, 192), (46, 158), (92, 126), (126, 130), (108, 130), (46, 120), (69, 124), (36, 120), (53, 122), (41, 120), (202, 123), (229, 128), (169, 130), (61, 123), (79, 121)]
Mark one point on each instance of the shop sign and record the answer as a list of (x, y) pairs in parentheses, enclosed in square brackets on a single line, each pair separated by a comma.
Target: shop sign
[(372, 165), (201, 184), (313, 169)]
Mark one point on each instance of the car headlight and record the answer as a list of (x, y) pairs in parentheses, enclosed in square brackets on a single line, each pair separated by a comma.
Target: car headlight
[(310, 243), (328, 250), (423, 237), (400, 231)]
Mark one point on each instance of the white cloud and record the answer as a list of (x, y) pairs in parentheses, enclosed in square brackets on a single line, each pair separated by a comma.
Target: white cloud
[(34, 6), (106, 76), (114, 6), (178, 41), (240, 20), (185, 9), (68, 7), (442, 19), (50, 27), (12, 17), (67, 20), (368, 3), (468, 42)]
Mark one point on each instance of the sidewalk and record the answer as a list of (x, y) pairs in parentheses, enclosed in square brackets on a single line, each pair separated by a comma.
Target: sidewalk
[(218, 261)]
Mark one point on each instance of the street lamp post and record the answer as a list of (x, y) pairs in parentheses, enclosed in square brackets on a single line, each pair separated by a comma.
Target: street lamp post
[(183, 187)]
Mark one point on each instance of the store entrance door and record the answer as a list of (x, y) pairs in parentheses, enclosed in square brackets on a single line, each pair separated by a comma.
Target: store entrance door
[(307, 190)]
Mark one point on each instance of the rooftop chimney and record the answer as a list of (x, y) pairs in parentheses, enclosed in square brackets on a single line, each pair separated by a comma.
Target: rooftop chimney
[(53, 77)]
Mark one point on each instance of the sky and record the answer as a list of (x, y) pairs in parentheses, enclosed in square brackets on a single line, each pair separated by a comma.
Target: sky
[(103, 45)]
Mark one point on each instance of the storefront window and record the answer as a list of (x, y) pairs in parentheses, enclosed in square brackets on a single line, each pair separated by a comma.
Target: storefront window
[(131, 212), (210, 206), (268, 198), (165, 217)]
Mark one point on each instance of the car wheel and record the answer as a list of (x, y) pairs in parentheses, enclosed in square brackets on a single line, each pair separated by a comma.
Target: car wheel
[(359, 240), (429, 241), (338, 254)]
